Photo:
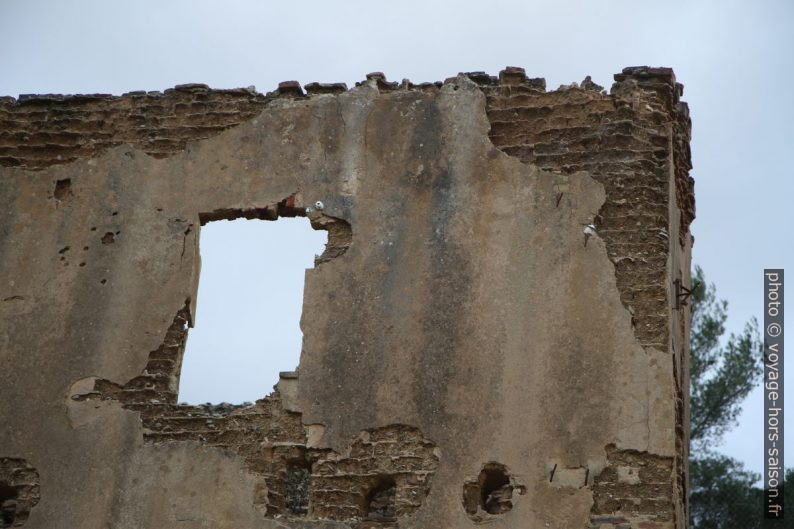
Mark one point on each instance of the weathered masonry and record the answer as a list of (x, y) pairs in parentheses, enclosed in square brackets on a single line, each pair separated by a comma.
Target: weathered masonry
[(470, 356)]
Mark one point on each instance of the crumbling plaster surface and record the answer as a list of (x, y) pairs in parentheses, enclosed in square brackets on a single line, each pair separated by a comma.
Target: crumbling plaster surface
[(467, 306)]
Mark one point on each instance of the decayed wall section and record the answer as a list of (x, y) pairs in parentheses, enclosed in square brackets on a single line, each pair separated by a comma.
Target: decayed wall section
[(469, 357), (623, 141), (40, 130)]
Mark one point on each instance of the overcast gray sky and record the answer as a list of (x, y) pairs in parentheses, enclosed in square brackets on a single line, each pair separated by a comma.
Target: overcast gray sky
[(734, 58)]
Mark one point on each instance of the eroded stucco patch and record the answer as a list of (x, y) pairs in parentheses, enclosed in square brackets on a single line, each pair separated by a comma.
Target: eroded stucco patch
[(635, 489)]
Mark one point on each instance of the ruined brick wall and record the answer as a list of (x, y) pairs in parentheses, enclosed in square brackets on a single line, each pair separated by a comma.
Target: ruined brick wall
[(630, 141), (454, 370), (293, 475), (40, 130), (623, 141)]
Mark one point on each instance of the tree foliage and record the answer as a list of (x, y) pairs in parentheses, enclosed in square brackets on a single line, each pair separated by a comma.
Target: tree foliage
[(723, 494), (722, 375)]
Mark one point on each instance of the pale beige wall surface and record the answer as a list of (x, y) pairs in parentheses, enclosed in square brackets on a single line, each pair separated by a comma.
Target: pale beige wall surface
[(467, 306)]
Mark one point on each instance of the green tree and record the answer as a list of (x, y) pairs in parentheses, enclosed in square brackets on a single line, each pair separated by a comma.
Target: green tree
[(722, 375), (723, 494)]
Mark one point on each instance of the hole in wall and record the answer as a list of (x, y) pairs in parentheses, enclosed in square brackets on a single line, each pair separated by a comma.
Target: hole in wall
[(495, 490), (8, 505), (296, 486), (248, 310), (63, 189), (380, 499), (490, 494), (19, 491)]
